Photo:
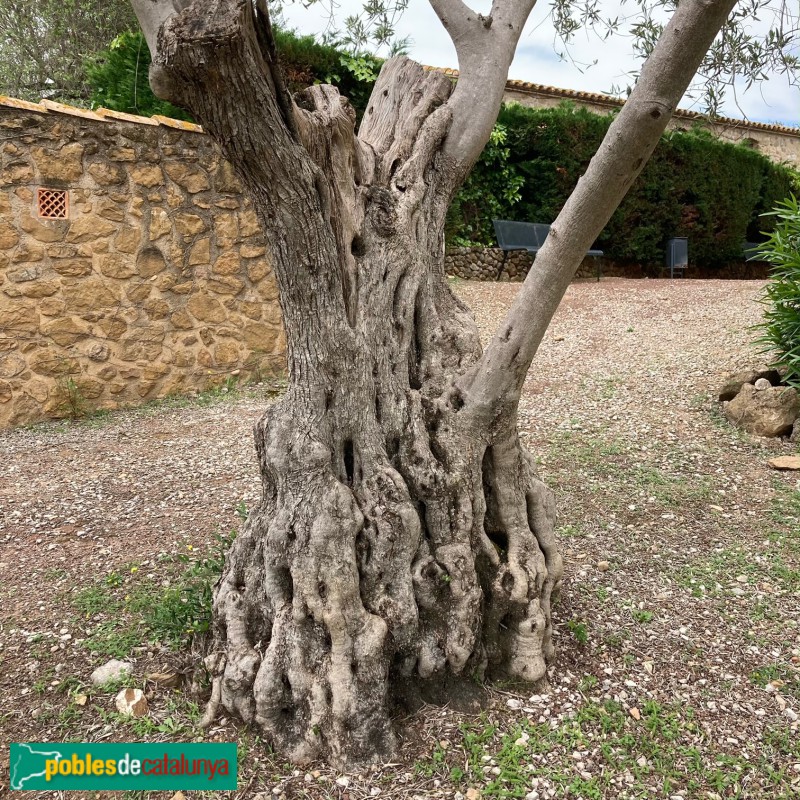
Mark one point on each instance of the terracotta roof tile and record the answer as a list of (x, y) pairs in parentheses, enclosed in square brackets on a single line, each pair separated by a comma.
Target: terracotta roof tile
[(24, 105), (73, 111), (178, 123), (107, 113)]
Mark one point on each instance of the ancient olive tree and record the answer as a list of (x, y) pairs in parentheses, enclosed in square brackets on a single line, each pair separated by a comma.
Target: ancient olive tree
[(403, 540)]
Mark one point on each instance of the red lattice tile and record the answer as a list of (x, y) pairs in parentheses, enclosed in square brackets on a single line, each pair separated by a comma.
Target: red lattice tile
[(52, 203)]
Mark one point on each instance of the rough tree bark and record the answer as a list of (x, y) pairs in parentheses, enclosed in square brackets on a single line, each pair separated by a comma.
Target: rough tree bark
[(403, 540)]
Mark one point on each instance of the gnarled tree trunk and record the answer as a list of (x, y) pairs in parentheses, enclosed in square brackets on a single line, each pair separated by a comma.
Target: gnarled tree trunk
[(402, 530), (403, 538)]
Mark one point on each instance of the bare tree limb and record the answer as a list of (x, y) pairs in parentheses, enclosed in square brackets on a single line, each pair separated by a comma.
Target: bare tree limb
[(625, 150)]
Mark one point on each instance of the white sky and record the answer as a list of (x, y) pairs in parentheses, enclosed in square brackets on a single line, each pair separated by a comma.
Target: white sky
[(537, 60)]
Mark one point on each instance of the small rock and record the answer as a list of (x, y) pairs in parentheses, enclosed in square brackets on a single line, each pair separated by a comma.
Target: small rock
[(473, 794), (635, 713), (785, 462), (769, 412), (603, 566), (178, 796), (343, 781), (113, 670), (169, 680), (80, 699), (762, 383), (131, 703), (513, 704), (735, 383)]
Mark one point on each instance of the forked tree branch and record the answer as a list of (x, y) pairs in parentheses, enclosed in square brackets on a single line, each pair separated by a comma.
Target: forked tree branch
[(623, 153), (485, 47)]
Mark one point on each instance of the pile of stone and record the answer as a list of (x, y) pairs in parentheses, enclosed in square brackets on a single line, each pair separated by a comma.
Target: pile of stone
[(759, 402)]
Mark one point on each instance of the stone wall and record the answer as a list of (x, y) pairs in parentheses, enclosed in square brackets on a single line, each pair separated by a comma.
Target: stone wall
[(157, 282), (483, 264)]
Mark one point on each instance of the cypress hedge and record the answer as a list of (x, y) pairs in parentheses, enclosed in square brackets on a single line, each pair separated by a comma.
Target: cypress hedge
[(695, 185)]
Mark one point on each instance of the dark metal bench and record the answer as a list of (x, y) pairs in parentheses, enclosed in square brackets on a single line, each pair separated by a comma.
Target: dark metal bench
[(528, 236)]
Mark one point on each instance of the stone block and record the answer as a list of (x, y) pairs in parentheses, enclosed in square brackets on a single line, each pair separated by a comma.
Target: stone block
[(106, 174), (127, 240), (205, 308), (49, 231), (73, 268), (66, 331), (17, 172), (190, 177), (225, 284), (8, 236), (147, 175), (189, 224), (226, 354), (228, 264), (64, 165), (160, 224), (89, 228), (11, 365), (200, 252), (117, 265), (40, 288), (53, 363)]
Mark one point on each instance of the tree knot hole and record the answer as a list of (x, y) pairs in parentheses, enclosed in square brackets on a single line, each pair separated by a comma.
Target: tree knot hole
[(348, 457), (655, 113), (357, 246)]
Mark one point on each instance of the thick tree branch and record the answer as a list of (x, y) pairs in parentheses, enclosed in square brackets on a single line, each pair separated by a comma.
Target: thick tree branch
[(455, 16), (485, 47), (625, 150)]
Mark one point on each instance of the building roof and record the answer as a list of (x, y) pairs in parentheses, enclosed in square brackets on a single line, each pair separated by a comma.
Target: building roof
[(526, 87)]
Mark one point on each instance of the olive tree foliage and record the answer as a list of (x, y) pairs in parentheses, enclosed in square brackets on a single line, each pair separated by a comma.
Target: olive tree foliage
[(44, 45), (403, 545), (759, 39)]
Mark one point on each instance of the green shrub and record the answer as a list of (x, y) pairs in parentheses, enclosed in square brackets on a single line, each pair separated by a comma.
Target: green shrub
[(490, 192), (119, 74), (781, 325), (118, 77), (694, 185)]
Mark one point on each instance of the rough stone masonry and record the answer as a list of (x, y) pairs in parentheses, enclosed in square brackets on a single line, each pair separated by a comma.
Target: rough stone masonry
[(155, 283)]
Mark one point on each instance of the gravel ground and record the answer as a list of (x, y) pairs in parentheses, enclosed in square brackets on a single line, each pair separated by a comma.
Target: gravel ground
[(678, 672)]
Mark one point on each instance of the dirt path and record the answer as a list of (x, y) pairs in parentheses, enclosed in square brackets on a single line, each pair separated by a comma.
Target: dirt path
[(678, 672)]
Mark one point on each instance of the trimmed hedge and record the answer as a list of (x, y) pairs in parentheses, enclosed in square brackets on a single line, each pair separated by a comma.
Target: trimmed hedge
[(694, 185)]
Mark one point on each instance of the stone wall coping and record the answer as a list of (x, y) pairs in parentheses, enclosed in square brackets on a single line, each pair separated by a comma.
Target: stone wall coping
[(526, 87), (125, 117), (73, 111), (46, 106)]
